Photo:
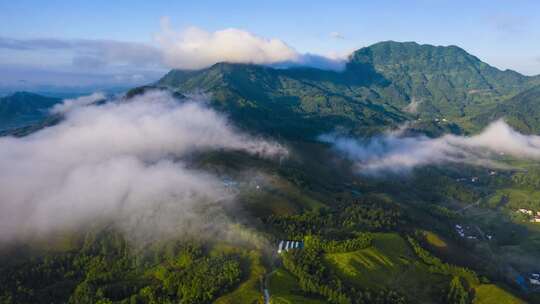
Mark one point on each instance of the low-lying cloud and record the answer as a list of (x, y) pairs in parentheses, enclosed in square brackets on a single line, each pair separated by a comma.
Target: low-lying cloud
[(336, 35), (393, 152), (119, 161), (70, 104)]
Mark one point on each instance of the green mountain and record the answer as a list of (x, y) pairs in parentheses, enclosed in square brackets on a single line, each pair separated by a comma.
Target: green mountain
[(382, 85), (521, 111), (22, 109), (293, 102), (442, 81)]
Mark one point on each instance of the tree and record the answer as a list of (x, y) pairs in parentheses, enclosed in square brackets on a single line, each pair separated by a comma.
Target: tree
[(457, 293)]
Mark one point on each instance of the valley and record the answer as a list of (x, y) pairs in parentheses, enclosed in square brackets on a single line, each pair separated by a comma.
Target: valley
[(447, 230)]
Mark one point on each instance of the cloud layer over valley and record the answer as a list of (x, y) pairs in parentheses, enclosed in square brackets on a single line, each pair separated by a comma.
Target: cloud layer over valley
[(121, 161), (393, 152)]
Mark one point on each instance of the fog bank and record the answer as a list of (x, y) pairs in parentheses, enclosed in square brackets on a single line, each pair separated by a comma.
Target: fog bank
[(393, 152), (119, 161)]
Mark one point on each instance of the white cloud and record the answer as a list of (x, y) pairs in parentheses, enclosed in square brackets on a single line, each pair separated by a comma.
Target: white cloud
[(88, 53), (70, 104), (195, 48), (108, 63), (392, 152), (121, 161), (337, 35)]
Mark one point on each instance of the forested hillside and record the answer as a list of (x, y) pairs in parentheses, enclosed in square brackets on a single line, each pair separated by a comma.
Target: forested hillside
[(438, 89)]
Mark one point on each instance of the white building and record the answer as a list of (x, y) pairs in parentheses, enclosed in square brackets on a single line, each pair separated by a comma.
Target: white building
[(280, 247), (288, 245), (525, 211)]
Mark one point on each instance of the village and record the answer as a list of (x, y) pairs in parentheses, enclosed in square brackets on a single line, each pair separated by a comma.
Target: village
[(534, 216), (529, 282), (471, 233)]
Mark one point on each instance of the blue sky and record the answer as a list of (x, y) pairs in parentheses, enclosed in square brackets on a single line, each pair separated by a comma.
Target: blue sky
[(503, 33)]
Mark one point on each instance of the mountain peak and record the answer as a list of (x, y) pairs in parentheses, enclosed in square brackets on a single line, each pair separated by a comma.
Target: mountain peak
[(23, 94), (408, 52)]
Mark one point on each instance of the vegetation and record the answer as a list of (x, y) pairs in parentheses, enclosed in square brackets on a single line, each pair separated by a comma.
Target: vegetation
[(359, 242), (388, 264), (370, 214), (367, 239), (23, 109), (284, 289), (106, 270), (439, 267), (457, 293), (249, 291), (377, 88), (490, 293), (316, 278)]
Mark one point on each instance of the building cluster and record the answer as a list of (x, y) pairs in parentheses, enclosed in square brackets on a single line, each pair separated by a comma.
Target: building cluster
[(473, 179), (460, 230), (535, 217), (534, 278), (529, 281), (465, 233), (439, 120), (229, 183), (289, 245)]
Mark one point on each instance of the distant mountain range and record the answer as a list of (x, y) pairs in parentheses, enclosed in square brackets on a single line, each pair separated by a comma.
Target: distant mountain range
[(22, 109), (436, 89)]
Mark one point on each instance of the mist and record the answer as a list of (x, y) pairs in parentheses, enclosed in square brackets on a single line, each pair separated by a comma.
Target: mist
[(395, 153), (69, 104), (122, 162)]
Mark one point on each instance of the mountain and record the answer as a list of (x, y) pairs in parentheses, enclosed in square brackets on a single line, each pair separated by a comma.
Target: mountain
[(383, 85), (23, 109), (292, 102), (443, 80), (522, 111)]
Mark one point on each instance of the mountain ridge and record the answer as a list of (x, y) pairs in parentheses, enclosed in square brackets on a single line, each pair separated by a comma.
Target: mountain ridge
[(22, 108), (382, 86)]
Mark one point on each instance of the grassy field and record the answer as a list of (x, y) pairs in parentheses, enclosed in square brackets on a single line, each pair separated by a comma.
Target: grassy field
[(435, 240), (284, 289), (389, 263), (489, 294), (280, 197), (517, 197), (249, 291)]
